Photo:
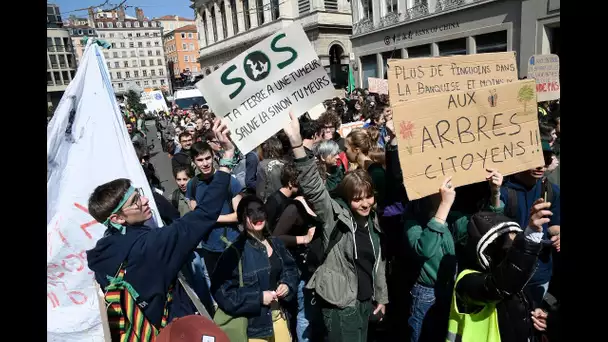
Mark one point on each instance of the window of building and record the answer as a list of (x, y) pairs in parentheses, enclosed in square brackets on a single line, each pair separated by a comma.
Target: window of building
[(118, 75), (190, 35), (91, 32), (127, 74), (369, 67), (113, 45), (120, 85), (158, 52), (140, 44), (156, 43), (143, 63), (148, 44), (136, 73), (136, 24), (118, 24), (149, 53), (125, 64), (145, 24), (367, 13), (453, 47), (115, 54), (159, 62), (183, 35), (54, 63), (106, 54), (191, 47), (162, 82), (102, 35), (195, 68), (133, 54), (260, 12), (213, 26), (186, 59), (134, 62), (111, 35), (391, 6), (49, 79), (160, 72), (223, 16), (128, 24), (124, 54), (137, 34), (57, 76), (49, 44), (62, 61), (274, 9), (419, 51), (100, 25), (131, 44), (152, 72), (110, 25), (184, 47), (151, 62), (138, 83), (303, 6), (108, 63), (491, 42), (153, 81), (144, 73), (146, 82)]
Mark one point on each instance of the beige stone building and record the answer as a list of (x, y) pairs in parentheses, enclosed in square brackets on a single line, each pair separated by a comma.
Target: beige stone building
[(228, 27), (60, 59), (172, 22)]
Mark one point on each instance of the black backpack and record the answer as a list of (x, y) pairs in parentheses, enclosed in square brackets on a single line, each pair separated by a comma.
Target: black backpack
[(511, 205)]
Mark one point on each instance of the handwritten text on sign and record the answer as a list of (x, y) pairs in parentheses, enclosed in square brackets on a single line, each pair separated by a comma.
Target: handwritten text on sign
[(255, 92), (544, 69), (377, 85), (462, 134), (414, 78)]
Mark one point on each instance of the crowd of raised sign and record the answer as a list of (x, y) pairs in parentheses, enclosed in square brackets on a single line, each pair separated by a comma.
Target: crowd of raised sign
[(312, 237)]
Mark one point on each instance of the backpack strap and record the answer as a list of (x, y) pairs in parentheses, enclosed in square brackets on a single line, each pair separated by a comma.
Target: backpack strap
[(334, 237), (511, 205), (193, 185), (175, 198)]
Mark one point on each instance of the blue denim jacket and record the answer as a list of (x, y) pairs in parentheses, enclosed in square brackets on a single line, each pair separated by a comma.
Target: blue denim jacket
[(246, 301)]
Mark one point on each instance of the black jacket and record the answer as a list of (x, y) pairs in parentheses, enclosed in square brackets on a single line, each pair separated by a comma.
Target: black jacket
[(504, 284)]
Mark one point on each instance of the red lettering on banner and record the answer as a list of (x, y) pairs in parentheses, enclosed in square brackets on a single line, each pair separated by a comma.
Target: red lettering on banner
[(64, 262), (84, 226), (53, 275), (53, 299), (74, 294)]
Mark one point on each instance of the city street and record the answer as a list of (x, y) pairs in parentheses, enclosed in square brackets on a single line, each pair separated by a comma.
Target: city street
[(161, 161)]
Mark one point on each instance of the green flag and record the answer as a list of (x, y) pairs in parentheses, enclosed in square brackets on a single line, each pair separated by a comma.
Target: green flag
[(351, 80)]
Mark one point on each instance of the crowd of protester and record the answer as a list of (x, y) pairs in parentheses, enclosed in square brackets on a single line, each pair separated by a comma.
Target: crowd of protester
[(311, 237)]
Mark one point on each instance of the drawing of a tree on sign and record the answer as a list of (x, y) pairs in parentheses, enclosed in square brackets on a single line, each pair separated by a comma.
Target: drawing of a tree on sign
[(525, 95), (406, 130)]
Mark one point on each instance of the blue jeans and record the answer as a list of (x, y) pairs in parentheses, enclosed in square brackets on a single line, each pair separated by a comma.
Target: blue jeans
[(423, 299), (308, 318)]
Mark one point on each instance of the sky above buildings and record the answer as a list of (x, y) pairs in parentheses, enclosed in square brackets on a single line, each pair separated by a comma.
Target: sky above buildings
[(152, 8)]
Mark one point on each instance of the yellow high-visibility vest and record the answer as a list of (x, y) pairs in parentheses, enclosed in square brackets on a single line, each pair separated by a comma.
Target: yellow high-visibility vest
[(481, 326)]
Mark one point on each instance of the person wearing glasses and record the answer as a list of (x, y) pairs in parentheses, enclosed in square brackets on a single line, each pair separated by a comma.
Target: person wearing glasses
[(153, 257)]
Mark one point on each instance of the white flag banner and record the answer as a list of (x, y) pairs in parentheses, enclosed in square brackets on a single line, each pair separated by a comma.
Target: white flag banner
[(87, 145)]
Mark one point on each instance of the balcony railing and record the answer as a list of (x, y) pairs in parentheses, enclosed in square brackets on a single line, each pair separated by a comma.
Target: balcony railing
[(367, 25)]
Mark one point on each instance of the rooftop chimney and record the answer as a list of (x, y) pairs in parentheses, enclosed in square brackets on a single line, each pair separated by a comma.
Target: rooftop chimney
[(139, 14), (121, 13)]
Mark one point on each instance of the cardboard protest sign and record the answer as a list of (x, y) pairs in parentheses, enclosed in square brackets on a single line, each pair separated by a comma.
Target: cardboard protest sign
[(345, 129), (154, 101), (544, 69), (414, 78), (255, 92), (464, 133), (377, 85), (316, 111)]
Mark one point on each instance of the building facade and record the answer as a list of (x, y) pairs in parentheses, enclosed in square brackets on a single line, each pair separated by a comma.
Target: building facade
[(172, 22), (77, 33), (137, 58), (385, 29), (229, 27), (181, 47), (60, 59)]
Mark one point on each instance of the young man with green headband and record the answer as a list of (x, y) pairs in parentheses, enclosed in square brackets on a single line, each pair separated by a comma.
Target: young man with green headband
[(154, 256)]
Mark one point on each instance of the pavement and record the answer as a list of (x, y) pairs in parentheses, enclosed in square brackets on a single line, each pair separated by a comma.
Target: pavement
[(161, 161)]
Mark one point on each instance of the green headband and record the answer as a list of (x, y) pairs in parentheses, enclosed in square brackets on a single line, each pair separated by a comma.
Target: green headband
[(118, 226)]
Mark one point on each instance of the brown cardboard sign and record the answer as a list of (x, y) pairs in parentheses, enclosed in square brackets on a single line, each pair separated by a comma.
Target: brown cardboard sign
[(414, 78), (464, 133)]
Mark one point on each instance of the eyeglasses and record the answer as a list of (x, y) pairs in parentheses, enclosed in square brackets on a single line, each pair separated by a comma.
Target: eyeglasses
[(136, 203)]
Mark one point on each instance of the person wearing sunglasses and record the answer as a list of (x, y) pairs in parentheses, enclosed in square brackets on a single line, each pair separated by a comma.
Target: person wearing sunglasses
[(152, 257)]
